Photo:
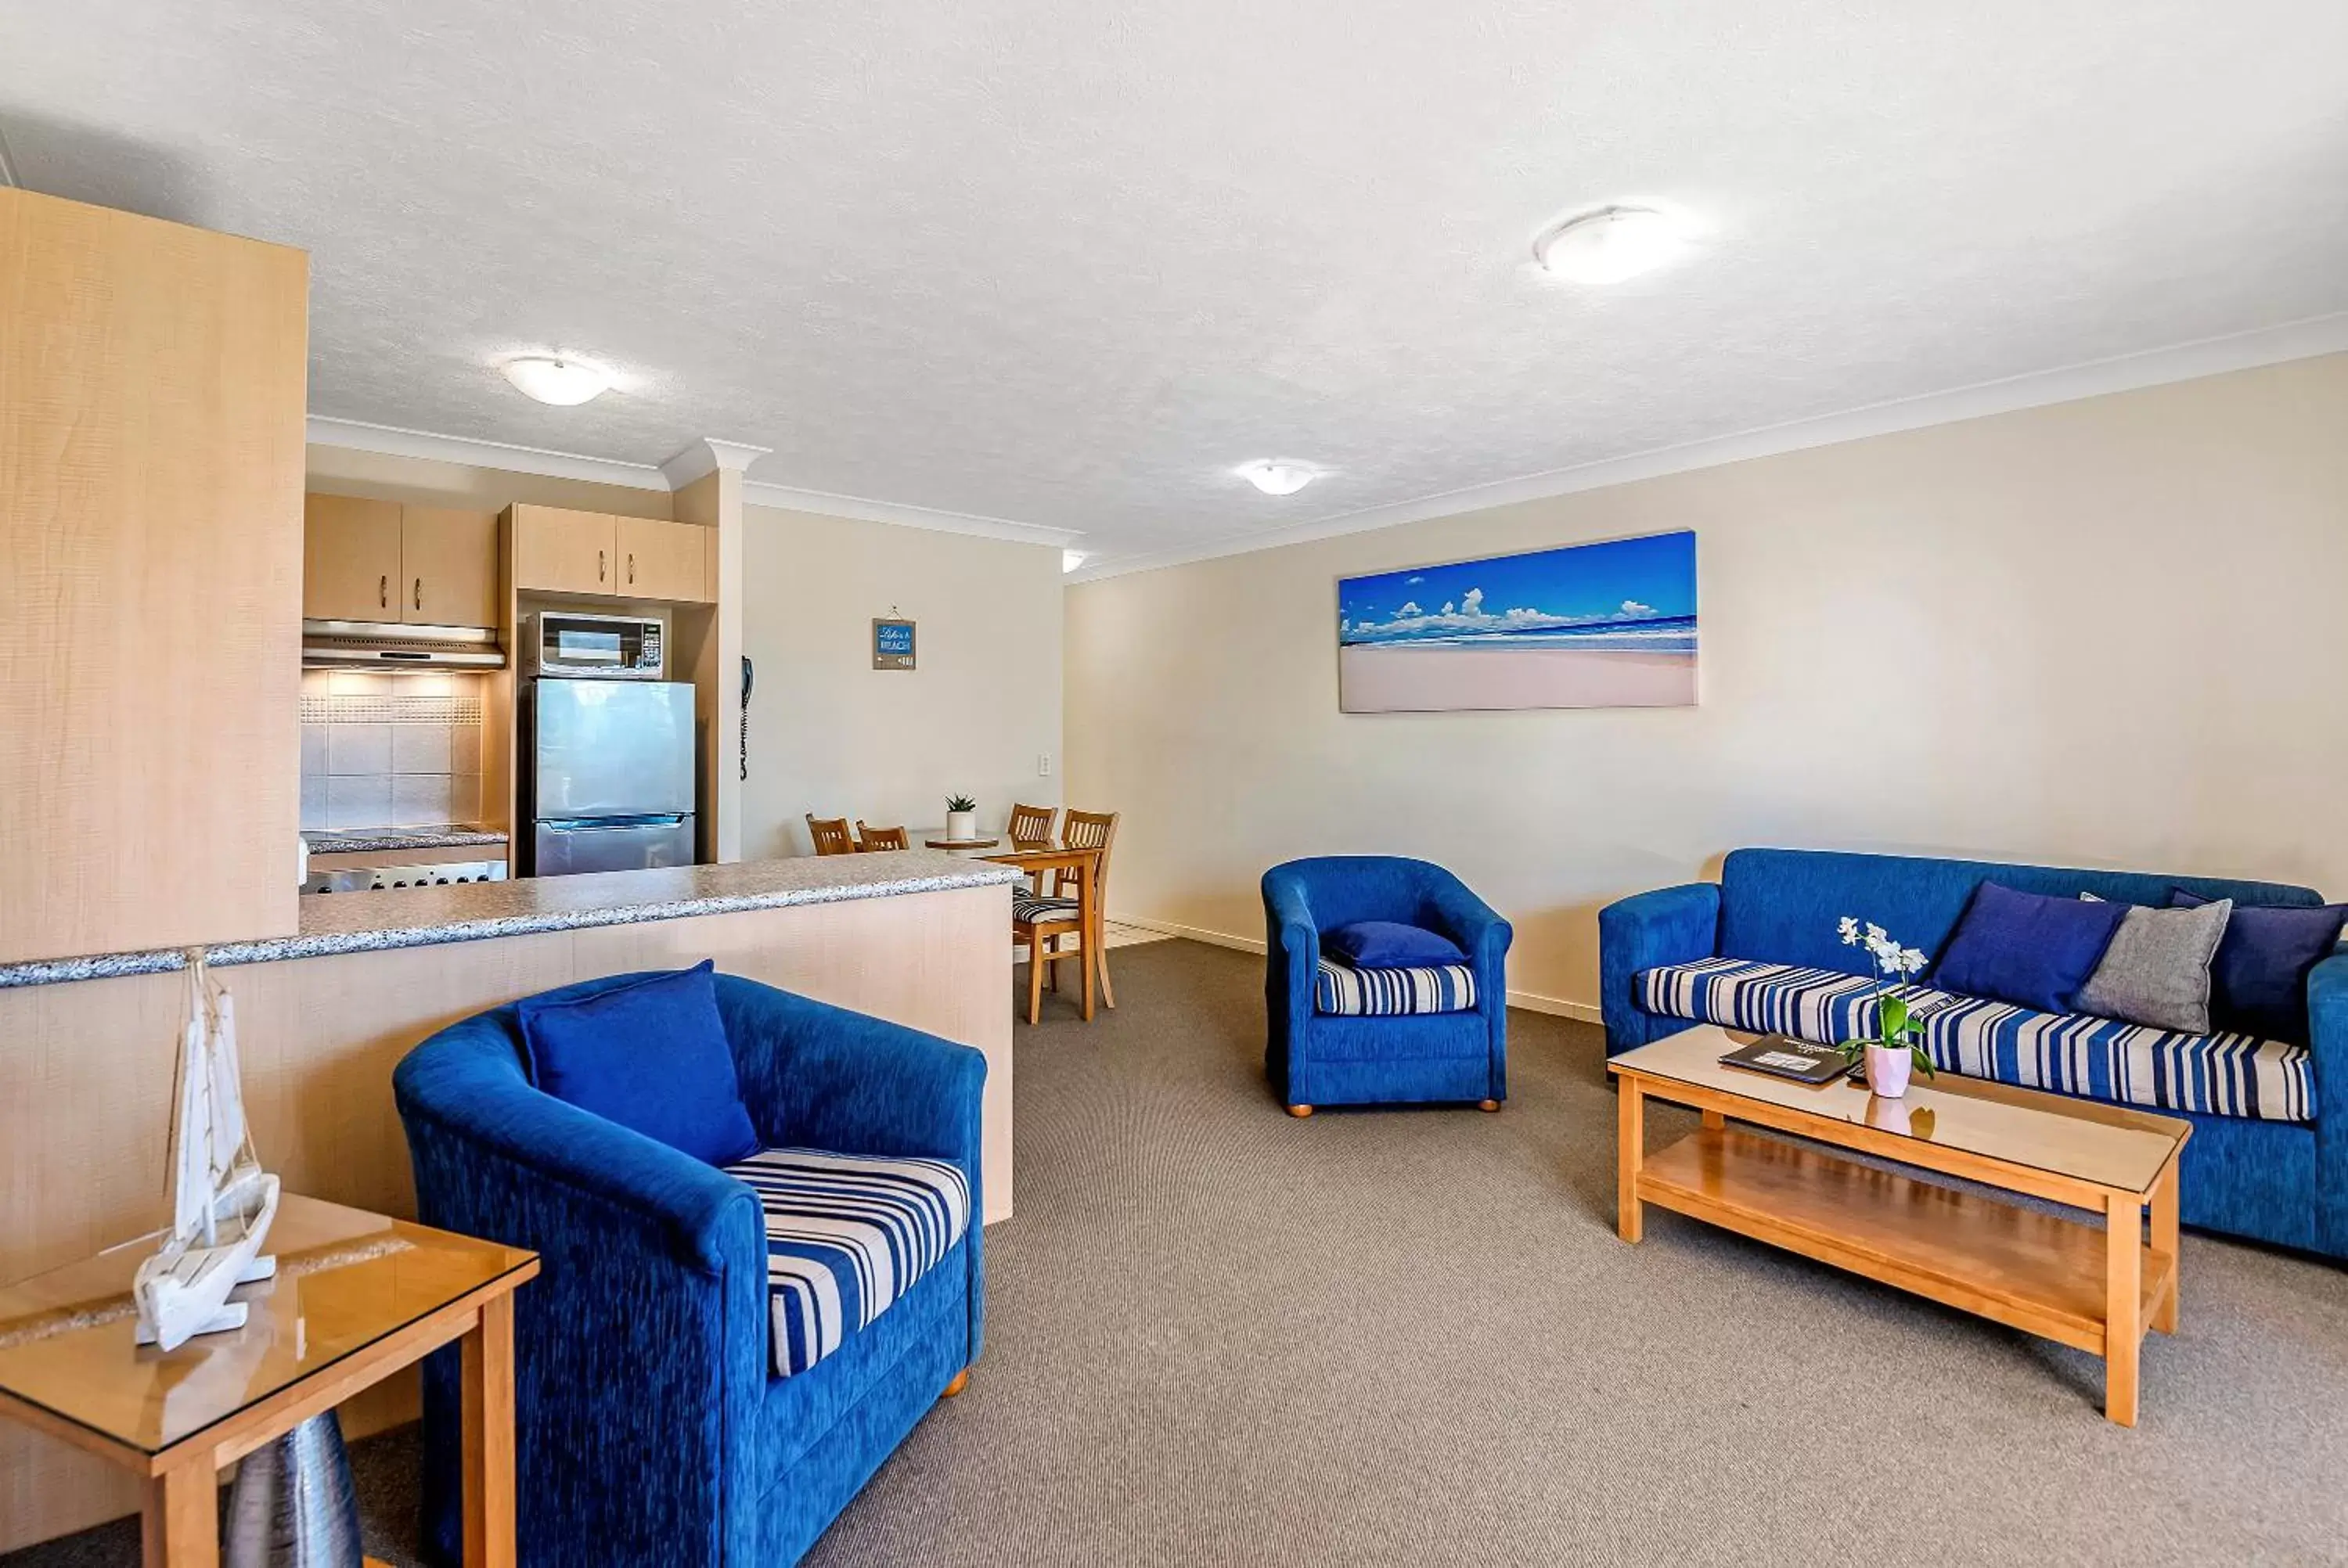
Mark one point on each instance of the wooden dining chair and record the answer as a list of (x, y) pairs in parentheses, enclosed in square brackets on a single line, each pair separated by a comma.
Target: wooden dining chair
[(1040, 922), (1031, 828), (1088, 830), (831, 835), (870, 838)]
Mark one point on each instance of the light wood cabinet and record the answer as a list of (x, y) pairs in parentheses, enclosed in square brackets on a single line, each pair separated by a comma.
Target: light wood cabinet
[(449, 559), (664, 560), (152, 393), (380, 560), (350, 559), (560, 551)]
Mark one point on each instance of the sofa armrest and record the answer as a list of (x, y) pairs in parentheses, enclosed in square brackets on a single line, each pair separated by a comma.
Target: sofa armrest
[(2327, 1040), (1294, 939), (819, 1076), (1668, 926)]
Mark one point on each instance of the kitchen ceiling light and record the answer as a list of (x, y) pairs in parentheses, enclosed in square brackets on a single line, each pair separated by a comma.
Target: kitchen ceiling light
[(1611, 245), (1071, 560), (1277, 479), (561, 382)]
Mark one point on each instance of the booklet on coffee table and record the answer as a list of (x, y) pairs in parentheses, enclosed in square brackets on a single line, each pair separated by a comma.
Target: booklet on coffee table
[(1796, 1058)]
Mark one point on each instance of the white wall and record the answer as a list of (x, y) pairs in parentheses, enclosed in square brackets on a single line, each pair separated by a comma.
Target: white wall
[(2112, 631), (829, 734)]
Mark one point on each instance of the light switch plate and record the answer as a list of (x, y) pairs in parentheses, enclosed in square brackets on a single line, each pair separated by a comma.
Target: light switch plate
[(1042, 765)]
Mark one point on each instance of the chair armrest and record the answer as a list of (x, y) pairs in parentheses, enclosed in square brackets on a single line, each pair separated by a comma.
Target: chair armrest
[(2327, 1040), (1668, 926), (1293, 938), (531, 1143), (819, 1076), (1478, 928)]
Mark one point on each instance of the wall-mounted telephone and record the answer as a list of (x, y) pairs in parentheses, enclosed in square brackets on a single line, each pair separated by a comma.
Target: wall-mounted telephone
[(748, 679)]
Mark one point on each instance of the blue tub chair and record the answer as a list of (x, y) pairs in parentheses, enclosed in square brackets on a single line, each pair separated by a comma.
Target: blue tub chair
[(2269, 1155), (1316, 1057), (651, 1428)]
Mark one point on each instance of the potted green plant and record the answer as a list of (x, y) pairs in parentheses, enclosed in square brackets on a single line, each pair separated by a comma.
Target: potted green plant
[(1898, 1042), (961, 818)]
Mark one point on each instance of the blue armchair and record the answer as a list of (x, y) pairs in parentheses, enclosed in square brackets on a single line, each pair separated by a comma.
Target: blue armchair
[(1314, 1058), (650, 1426)]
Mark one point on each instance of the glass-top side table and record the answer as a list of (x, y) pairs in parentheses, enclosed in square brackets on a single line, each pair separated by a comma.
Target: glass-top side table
[(357, 1296)]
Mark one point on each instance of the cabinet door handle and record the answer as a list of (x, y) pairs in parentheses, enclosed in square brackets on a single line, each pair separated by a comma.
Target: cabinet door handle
[(382, 591), (420, 593), (631, 565), (598, 566)]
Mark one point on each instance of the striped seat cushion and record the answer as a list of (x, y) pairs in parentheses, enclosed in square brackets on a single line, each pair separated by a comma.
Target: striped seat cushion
[(2131, 1064), (1342, 990), (1029, 909), (846, 1236)]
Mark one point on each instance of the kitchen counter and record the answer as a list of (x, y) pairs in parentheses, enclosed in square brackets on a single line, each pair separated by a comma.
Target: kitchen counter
[(382, 840), (475, 911)]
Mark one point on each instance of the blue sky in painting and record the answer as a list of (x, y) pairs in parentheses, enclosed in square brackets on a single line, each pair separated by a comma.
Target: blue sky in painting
[(1623, 594)]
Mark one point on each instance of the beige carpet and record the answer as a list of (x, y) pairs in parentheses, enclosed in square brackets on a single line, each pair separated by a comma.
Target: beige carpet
[(1217, 1335)]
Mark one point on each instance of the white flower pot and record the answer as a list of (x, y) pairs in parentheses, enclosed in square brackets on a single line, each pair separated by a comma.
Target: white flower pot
[(1887, 1071), (961, 824)]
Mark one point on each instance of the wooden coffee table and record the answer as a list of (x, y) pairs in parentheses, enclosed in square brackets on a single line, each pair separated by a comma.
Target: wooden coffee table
[(2098, 1288)]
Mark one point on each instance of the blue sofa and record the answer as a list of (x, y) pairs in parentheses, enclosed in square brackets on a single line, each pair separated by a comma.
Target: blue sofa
[(651, 1428), (2278, 1172), (1316, 1059)]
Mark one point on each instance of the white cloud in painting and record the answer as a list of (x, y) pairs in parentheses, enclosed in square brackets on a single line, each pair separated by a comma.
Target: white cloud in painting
[(1472, 602), (1633, 606), (1408, 608), (1468, 614), (1412, 581), (1445, 610)]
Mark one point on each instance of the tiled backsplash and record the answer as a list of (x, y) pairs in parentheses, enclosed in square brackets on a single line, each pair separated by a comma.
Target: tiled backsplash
[(389, 750)]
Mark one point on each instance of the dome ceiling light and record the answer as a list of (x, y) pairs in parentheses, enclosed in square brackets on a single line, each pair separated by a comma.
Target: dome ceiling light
[(1611, 245)]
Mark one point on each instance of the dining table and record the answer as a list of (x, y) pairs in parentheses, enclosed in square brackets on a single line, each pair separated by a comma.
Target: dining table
[(1041, 857)]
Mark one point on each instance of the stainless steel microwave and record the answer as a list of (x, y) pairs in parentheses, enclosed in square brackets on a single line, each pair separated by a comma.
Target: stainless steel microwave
[(593, 646)]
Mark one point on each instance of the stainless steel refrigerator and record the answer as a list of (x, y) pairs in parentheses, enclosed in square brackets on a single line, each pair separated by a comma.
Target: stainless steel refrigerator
[(608, 775)]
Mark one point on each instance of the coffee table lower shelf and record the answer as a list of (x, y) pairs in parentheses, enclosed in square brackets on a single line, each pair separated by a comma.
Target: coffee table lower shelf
[(2030, 1270)]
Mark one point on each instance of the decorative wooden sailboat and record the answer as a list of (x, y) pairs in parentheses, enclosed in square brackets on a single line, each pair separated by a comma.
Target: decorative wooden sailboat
[(222, 1202)]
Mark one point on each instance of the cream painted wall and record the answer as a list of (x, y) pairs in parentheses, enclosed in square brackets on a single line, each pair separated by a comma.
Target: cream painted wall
[(378, 477), (2105, 632), (832, 735)]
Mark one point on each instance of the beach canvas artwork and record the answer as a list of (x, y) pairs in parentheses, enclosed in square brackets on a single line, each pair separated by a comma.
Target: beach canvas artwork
[(1608, 625)]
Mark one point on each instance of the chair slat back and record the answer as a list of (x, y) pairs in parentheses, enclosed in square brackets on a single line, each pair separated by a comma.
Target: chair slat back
[(1089, 830), (831, 835), (871, 838), (1032, 823)]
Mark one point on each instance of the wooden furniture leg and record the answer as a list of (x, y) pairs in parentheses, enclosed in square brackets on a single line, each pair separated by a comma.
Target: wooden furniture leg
[(1714, 1121), (178, 1518), (1035, 977), (1089, 918), (2163, 1241), (961, 1381), (1629, 1153), (488, 1436), (2123, 1304)]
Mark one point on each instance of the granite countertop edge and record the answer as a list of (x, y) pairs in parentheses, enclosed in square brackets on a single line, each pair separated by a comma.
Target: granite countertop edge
[(326, 841), (327, 944)]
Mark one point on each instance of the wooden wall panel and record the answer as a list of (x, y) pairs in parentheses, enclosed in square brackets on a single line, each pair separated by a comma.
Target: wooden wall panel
[(153, 379), (86, 1075)]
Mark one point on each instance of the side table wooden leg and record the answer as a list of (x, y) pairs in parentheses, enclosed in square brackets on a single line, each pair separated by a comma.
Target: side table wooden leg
[(2123, 1304), (1715, 1121), (2163, 1240), (178, 1518), (1629, 1153), (489, 1425)]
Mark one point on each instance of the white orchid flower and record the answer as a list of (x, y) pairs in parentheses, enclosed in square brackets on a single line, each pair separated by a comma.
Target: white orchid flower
[(1912, 960), (1847, 929)]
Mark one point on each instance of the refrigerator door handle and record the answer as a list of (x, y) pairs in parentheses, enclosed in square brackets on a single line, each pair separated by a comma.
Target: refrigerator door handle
[(607, 824)]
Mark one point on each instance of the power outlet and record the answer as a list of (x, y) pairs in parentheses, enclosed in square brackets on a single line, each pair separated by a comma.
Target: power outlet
[(1042, 765)]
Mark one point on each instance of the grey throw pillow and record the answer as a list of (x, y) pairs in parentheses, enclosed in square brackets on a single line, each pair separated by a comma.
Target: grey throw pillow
[(2156, 970)]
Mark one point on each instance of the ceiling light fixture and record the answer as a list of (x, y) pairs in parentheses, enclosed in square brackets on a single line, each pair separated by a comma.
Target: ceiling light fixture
[(1611, 245), (1071, 560), (565, 383), (1278, 479)]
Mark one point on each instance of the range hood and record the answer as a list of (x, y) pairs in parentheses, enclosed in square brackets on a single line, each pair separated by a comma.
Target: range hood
[(391, 645)]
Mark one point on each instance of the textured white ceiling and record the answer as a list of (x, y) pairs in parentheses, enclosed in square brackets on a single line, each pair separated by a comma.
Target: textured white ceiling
[(1067, 263)]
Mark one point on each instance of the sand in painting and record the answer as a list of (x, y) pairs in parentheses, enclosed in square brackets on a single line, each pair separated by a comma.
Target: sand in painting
[(1424, 680)]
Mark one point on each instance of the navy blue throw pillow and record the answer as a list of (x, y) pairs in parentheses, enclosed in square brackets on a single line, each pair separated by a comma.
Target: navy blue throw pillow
[(1391, 945), (650, 1055), (2258, 981), (2026, 949)]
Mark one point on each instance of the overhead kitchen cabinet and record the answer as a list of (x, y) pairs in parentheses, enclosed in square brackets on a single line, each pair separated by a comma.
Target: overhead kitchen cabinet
[(151, 390), (561, 551), (380, 560)]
